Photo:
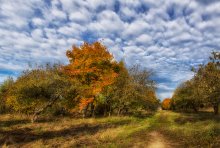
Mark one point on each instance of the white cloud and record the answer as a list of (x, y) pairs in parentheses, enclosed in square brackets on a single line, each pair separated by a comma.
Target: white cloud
[(71, 29), (58, 14), (136, 28), (164, 86), (38, 21), (167, 36), (143, 39), (107, 21), (164, 95), (37, 34), (81, 16)]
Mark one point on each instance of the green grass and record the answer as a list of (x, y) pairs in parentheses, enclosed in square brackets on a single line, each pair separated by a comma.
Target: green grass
[(190, 130), (186, 130)]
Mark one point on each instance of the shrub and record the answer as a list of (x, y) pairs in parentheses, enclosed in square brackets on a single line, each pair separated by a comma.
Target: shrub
[(4, 89), (40, 88)]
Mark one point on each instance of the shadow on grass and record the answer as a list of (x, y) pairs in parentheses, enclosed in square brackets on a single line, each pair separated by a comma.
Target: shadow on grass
[(201, 116), (142, 115), (25, 135), (13, 122), (10, 123)]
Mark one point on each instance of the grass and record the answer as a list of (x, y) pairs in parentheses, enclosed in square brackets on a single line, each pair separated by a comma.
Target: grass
[(186, 130), (191, 130)]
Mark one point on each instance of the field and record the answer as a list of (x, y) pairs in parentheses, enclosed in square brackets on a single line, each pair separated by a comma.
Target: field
[(162, 129)]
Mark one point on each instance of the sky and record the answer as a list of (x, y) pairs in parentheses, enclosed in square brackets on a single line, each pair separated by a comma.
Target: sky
[(166, 36)]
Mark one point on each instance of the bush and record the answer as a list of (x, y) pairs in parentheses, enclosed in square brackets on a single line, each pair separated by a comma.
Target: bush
[(37, 88), (4, 89)]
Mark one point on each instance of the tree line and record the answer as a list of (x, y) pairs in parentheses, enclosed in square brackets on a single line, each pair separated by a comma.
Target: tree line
[(203, 90), (92, 84)]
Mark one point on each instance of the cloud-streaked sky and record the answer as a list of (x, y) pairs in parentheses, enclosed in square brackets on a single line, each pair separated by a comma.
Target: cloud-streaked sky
[(167, 36)]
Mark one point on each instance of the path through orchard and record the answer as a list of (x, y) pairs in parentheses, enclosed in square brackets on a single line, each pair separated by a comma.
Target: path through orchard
[(157, 140), (154, 136)]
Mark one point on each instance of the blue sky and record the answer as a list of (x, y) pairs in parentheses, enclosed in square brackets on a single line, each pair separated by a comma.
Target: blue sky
[(166, 36)]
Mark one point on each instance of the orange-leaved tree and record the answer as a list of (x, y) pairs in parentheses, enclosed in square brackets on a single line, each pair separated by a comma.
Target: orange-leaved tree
[(94, 67), (166, 104)]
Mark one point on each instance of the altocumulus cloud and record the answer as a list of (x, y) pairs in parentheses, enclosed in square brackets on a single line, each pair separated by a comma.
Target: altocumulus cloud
[(167, 36)]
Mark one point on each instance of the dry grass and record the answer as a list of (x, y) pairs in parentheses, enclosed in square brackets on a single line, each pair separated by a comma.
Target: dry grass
[(66, 132), (175, 128)]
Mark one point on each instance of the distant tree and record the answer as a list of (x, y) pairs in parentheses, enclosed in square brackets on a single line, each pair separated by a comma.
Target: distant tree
[(166, 104), (144, 87)]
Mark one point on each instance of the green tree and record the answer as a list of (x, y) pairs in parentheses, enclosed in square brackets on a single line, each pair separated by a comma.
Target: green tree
[(203, 88), (36, 90), (210, 84), (4, 88), (133, 90), (144, 87), (187, 96)]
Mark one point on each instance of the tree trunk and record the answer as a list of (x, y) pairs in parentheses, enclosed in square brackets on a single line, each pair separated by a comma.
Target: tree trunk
[(92, 113), (195, 109), (215, 107), (126, 111), (110, 110), (49, 104), (119, 111), (109, 114), (85, 111), (105, 110)]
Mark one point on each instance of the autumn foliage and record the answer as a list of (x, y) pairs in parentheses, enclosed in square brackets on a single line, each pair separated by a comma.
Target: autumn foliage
[(166, 104), (94, 67), (92, 83)]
